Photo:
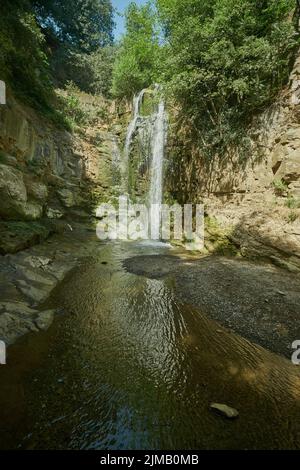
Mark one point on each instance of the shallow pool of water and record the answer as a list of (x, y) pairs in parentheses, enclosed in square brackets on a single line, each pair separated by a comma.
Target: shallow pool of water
[(127, 366)]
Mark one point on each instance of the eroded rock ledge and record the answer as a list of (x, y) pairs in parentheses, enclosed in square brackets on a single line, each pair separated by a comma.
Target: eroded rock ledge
[(28, 278)]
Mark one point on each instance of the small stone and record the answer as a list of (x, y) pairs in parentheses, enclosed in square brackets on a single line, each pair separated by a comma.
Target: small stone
[(224, 410), (45, 319), (280, 292)]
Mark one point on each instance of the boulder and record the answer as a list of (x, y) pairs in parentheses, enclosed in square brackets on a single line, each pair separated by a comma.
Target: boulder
[(45, 319), (37, 293), (13, 192), (54, 213), (13, 195), (31, 211), (67, 197), (12, 326), (37, 190), (290, 168), (19, 308)]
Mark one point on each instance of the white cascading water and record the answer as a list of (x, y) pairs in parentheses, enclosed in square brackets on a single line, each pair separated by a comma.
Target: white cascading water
[(156, 184), (154, 127)]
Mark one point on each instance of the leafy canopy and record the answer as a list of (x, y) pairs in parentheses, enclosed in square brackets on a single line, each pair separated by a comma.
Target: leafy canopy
[(47, 41), (221, 61), (84, 25), (225, 59), (136, 63)]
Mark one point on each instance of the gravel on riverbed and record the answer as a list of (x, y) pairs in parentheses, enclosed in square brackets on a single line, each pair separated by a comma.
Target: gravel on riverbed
[(258, 301)]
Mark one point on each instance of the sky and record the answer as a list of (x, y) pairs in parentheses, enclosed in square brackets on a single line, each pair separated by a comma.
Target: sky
[(121, 5)]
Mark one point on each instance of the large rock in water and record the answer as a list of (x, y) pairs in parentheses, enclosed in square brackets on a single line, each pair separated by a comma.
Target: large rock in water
[(224, 410), (13, 195)]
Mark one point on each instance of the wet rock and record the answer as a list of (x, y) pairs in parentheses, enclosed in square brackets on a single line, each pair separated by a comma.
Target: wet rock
[(35, 293), (59, 269), (54, 213), (13, 192), (37, 276), (9, 160), (12, 326), (45, 319), (281, 293), (38, 261), (67, 197), (224, 410), (37, 190), (18, 308)]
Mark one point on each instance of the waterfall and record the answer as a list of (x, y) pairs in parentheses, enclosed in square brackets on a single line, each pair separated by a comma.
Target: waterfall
[(156, 183), (151, 132)]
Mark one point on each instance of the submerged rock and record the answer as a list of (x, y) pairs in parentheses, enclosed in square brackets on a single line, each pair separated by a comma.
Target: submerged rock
[(45, 319), (224, 410), (37, 293), (12, 326)]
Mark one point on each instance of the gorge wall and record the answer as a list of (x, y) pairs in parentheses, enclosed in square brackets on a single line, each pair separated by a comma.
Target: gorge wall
[(47, 175), (254, 199)]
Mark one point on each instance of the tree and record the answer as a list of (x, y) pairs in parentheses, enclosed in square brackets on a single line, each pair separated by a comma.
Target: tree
[(79, 35), (91, 73), (136, 62), (225, 60), (83, 25), (23, 61)]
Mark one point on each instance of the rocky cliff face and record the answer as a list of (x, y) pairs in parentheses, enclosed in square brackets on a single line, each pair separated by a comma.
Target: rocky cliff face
[(253, 196), (46, 174), (40, 168)]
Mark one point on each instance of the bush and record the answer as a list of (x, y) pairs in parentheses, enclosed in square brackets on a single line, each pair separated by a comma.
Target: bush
[(292, 202), (92, 73), (23, 61), (225, 61), (79, 108)]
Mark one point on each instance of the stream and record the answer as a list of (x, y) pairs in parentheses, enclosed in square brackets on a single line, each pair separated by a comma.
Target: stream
[(127, 366)]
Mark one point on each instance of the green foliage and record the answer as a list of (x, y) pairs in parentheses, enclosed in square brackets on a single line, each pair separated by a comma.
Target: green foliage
[(83, 25), (91, 73), (225, 60), (23, 62), (80, 109), (71, 35), (221, 62), (280, 186), (79, 34), (137, 59), (292, 202)]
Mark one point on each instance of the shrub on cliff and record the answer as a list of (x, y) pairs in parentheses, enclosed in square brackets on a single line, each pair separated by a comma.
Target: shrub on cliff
[(23, 61), (41, 38), (225, 60)]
